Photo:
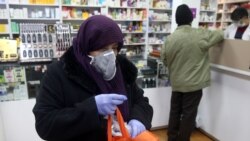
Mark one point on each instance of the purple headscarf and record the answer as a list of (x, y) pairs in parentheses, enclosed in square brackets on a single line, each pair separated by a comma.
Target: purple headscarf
[(95, 33)]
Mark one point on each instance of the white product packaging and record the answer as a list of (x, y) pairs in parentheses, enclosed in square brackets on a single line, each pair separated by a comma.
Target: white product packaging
[(25, 12), (47, 12), (57, 13)]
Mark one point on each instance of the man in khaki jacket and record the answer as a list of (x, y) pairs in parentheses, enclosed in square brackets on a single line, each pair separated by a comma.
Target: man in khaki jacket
[(185, 53)]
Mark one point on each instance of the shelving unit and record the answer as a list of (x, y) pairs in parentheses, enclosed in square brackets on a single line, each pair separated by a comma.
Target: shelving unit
[(225, 9), (160, 19), (4, 23), (208, 12), (134, 19)]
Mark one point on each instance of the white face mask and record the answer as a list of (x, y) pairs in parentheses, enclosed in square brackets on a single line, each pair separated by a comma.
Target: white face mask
[(240, 24), (105, 64)]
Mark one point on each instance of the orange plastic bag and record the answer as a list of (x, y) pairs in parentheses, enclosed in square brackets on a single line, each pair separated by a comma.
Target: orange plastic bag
[(144, 136)]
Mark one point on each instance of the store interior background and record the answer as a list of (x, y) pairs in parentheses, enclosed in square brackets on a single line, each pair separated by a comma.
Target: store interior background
[(223, 112)]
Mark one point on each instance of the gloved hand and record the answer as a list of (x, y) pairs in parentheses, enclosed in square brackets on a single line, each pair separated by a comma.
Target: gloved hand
[(107, 103), (135, 127)]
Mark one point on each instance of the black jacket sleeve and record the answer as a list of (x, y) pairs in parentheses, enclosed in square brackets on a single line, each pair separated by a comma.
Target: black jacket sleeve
[(141, 110), (55, 121)]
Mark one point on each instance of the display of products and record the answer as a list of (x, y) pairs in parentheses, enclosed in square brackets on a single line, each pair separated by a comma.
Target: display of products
[(76, 13), (63, 38), (149, 82), (135, 38), (161, 4), (33, 1), (38, 12), (3, 13), (127, 3), (131, 27), (159, 27), (84, 2), (8, 50), (159, 16), (15, 27), (128, 14), (3, 28), (13, 84), (42, 42)]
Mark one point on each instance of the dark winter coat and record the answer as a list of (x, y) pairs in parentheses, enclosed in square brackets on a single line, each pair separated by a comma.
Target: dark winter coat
[(65, 108)]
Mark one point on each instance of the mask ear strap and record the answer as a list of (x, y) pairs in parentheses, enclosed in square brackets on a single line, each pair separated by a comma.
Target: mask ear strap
[(92, 59)]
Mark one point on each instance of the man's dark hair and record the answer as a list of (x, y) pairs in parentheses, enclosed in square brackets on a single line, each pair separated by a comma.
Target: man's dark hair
[(239, 13)]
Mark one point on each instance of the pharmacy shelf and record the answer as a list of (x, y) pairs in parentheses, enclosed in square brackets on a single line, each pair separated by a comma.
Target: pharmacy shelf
[(2, 19), (160, 21), (133, 32), (155, 44), (132, 20), (14, 32), (159, 32), (33, 19), (35, 60), (211, 11), (239, 1), (161, 9), (82, 6), (206, 21), (38, 5), (126, 7), (135, 44), (4, 33), (76, 19)]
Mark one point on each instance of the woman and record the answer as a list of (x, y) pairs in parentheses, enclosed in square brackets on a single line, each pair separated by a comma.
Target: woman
[(87, 84), (240, 28)]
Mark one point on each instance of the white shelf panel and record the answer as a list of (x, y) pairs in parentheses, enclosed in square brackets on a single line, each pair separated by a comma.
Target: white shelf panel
[(239, 1), (118, 7), (38, 5), (34, 19), (73, 20), (211, 11), (206, 21), (4, 33), (159, 33), (14, 32), (82, 6), (156, 43), (161, 9), (135, 44), (129, 20), (128, 32), (160, 21), (231, 69)]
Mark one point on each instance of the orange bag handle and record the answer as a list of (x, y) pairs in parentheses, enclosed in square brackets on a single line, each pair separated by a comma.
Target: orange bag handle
[(123, 129)]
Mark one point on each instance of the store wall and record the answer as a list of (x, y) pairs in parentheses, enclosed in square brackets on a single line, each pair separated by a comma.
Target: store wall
[(191, 4), (18, 120), (1, 129), (160, 100), (224, 109)]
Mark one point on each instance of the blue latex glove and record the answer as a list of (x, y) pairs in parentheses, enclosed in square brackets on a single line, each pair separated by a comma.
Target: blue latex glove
[(107, 103), (135, 127)]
